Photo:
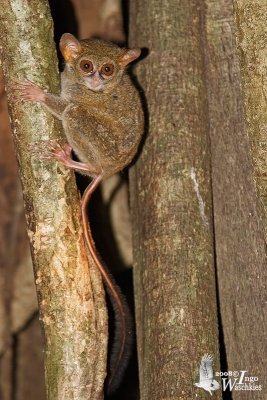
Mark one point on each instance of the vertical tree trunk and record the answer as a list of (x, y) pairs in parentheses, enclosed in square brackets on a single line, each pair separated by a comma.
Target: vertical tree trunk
[(239, 231), (18, 301), (251, 18), (71, 300), (171, 204), (8, 205)]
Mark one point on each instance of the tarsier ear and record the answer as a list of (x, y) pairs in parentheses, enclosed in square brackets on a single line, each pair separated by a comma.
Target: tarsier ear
[(69, 47), (129, 56)]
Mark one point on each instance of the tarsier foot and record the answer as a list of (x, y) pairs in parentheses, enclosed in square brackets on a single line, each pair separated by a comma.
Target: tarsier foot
[(28, 91), (54, 150)]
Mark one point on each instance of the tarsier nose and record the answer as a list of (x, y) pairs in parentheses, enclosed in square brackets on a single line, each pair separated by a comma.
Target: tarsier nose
[(95, 79)]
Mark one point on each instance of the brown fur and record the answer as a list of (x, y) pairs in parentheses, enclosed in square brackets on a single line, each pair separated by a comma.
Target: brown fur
[(104, 128)]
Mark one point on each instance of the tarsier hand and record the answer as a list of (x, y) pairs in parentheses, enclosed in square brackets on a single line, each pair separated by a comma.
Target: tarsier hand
[(28, 91), (54, 149)]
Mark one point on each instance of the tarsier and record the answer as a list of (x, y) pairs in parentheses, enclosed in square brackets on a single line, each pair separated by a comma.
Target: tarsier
[(102, 117)]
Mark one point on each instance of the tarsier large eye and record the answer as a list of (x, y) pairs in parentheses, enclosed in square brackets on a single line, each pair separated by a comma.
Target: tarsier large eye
[(86, 66), (107, 69)]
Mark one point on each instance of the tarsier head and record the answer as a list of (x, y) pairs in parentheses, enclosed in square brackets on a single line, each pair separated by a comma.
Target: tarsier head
[(96, 64)]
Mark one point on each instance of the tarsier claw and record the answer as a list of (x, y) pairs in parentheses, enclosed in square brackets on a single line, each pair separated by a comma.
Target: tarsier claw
[(28, 91)]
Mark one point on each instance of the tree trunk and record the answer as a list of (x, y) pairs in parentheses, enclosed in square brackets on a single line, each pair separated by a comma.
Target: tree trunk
[(250, 18), (18, 303), (8, 257), (239, 231), (71, 297), (171, 204)]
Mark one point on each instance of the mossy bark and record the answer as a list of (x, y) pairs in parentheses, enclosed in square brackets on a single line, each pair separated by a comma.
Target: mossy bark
[(174, 274), (250, 17), (239, 229), (70, 292)]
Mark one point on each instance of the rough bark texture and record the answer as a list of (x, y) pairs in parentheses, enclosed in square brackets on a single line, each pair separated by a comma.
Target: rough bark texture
[(171, 204), (239, 231), (251, 18), (71, 300), (18, 300)]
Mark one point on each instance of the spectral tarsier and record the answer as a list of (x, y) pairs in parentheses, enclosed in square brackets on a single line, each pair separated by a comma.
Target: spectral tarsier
[(101, 113)]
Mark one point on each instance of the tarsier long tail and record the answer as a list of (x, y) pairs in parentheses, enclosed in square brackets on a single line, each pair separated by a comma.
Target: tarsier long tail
[(123, 337)]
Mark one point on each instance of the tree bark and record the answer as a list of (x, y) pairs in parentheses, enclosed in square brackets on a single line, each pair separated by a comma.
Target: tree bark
[(171, 204), (8, 224), (250, 17), (70, 292), (239, 231)]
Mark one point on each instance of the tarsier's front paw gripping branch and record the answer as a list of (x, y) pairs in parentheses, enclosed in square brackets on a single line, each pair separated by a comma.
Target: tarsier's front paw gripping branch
[(95, 94), (28, 91)]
